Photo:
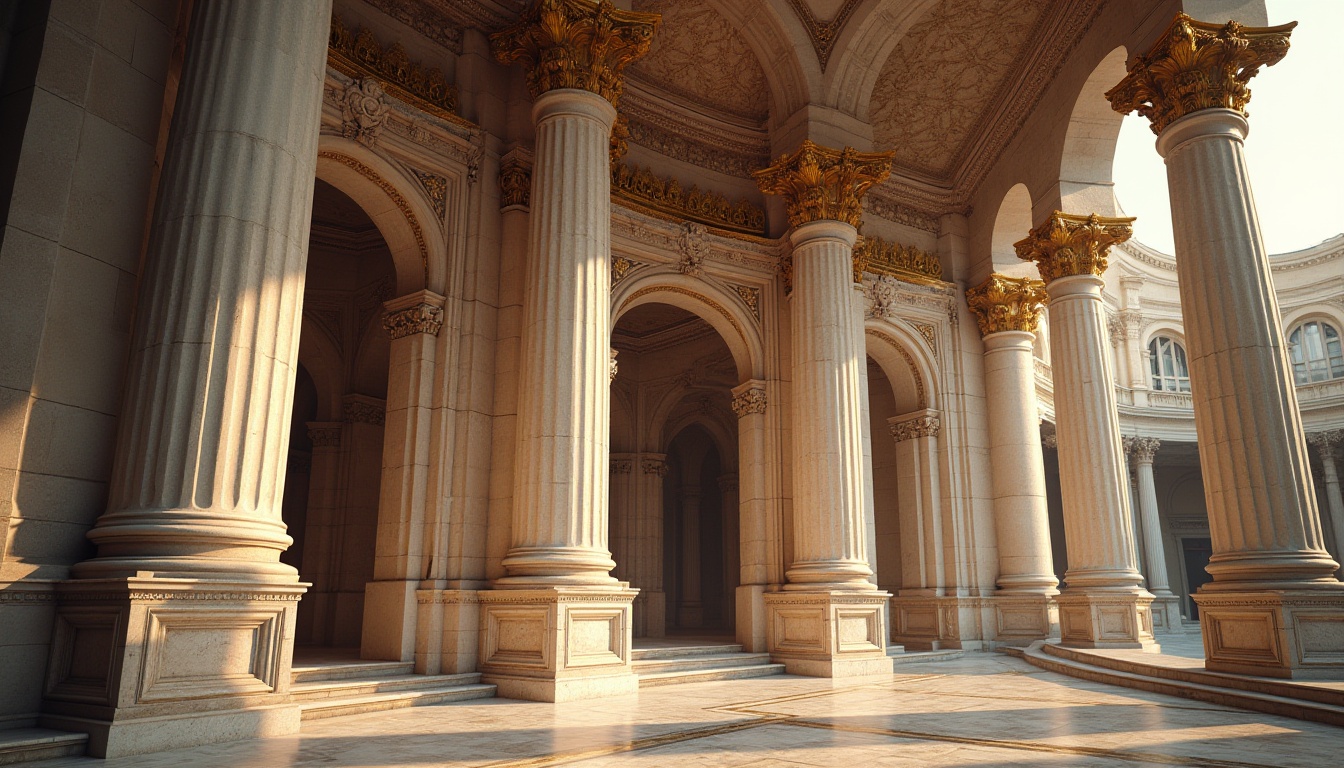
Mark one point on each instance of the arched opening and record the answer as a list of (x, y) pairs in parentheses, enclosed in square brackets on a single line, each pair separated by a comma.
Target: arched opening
[(336, 432), (674, 483), (1088, 158), (891, 397)]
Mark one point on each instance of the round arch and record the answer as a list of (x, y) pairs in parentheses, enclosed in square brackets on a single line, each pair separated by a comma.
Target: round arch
[(905, 363), (1310, 312), (1012, 223), (1087, 156), (776, 40), (719, 434), (724, 313), (862, 50), (401, 216), (318, 353)]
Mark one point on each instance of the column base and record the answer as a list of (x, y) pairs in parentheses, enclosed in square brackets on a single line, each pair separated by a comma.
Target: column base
[(557, 643), (146, 665), (934, 622), (391, 611), (1296, 634), (1097, 619), (1167, 616), (1020, 620), (448, 631), (751, 618), (828, 633)]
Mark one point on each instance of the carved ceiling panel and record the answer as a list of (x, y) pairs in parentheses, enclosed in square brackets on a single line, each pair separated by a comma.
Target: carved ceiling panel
[(938, 84), (699, 56)]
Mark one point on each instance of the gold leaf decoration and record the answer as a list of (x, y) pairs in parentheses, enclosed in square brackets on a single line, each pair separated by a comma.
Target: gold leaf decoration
[(1195, 66), (819, 183), (1004, 303), (1068, 244), (903, 262), (357, 54), (644, 188)]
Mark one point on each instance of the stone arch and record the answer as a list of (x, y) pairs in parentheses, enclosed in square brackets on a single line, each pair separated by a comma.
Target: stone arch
[(719, 433), (384, 192), (622, 422), (1169, 328), (724, 313), (319, 354), (1315, 311), (865, 43), (905, 362), (1012, 223), (777, 39), (1087, 157)]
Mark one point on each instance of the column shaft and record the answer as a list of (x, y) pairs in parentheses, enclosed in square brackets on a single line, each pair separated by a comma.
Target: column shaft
[(652, 593)]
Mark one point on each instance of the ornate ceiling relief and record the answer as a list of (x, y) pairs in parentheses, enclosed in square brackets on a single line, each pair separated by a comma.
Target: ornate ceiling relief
[(823, 33), (698, 56)]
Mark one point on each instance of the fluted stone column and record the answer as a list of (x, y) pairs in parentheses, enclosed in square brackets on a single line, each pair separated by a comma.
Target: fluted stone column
[(652, 470), (321, 550), (188, 566), (830, 619), (749, 403), (1009, 312), (1328, 445), (1166, 606), (1274, 606), (1104, 604), (558, 626), (917, 621)]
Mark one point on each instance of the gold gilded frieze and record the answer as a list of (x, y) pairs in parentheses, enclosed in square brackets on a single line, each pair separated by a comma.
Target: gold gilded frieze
[(1195, 66), (645, 189), (357, 54), (1067, 244), (903, 262)]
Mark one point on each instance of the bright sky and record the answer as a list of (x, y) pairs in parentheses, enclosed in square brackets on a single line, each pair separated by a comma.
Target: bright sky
[(1294, 151)]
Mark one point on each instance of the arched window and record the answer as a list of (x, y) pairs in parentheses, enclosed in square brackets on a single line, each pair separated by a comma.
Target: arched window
[(1316, 351), (1167, 358)]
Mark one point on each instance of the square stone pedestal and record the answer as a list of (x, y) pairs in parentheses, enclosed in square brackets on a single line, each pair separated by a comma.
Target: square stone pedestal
[(1167, 616), (391, 612), (448, 631), (1295, 634), (146, 665), (1096, 619), (930, 622), (1020, 620), (828, 634), (557, 643), (751, 618)]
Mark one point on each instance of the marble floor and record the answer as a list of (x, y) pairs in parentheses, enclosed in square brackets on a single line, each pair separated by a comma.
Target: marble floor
[(980, 710)]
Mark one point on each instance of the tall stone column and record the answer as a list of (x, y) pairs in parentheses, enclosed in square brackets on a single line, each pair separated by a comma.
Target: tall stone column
[(187, 569), (1009, 312), (1104, 604), (1166, 606), (652, 470), (623, 513), (321, 549), (918, 624), (1328, 445), (755, 534), (830, 619), (558, 627), (1274, 606)]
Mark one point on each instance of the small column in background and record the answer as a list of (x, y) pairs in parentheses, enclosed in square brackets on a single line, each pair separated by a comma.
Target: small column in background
[(1330, 445), (1166, 606)]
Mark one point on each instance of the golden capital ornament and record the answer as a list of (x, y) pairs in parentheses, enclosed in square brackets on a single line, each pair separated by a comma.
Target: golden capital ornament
[(1004, 303), (576, 44), (1067, 244), (1195, 66), (819, 183)]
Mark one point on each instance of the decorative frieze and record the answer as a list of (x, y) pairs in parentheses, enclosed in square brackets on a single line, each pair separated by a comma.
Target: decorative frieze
[(1067, 244), (421, 318), (622, 466), (899, 213), (819, 183), (325, 435), (654, 466), (748, 401), (923, 425), (358, 55), (576, 44), (1004, 303), (1195, 66), (903, 262), (364, 410), (665, 195)]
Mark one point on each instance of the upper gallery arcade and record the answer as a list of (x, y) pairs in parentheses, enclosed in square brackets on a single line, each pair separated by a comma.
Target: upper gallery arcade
[(498, 338)]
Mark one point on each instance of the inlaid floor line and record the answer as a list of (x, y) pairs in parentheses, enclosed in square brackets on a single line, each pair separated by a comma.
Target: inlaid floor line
[(650, 742)]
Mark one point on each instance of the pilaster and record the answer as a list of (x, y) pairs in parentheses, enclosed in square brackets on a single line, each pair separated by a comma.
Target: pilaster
[(754, 526)]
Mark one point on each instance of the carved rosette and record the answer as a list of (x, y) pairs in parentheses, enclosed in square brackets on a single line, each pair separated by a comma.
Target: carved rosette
[(1067, 244), (1004, 303), (819, 183), (923, 425), (576, 44), (1141, 450), (1195, 66), (364, 111), (749, 401), (651, 466), (421, 318)]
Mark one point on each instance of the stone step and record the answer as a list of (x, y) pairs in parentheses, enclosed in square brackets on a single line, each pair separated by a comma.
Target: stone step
[(352, 687), (318, 709), (706, 675), (679, 652), (350, 670), (1184, 684), (917, 657), (699, 662), (20, 745)]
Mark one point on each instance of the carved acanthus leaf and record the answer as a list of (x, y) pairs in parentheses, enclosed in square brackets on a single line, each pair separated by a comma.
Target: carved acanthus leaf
[(819, 183), (1067, 244)]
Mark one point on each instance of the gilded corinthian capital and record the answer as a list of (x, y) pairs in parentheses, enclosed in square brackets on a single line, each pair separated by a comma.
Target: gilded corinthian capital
[(1067, 244), (1195, 66), (819, 183), (576, 44), (1007, 304)]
